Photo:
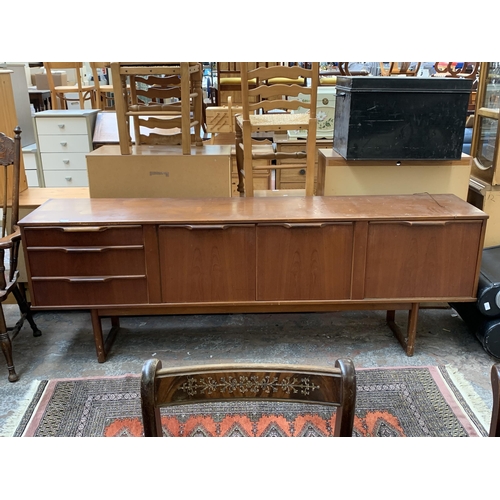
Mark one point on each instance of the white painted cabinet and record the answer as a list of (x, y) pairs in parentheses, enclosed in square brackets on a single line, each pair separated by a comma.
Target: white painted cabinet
[(64, 137)]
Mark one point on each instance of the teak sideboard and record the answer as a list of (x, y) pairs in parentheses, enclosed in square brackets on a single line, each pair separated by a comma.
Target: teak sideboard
[(134, 256)]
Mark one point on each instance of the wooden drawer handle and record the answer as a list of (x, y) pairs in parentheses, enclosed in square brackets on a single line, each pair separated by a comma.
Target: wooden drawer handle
[(88, 280), (100, 279), (97, 249), (84, 229)]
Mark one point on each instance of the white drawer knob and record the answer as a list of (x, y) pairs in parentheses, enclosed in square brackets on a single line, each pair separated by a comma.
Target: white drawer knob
[(64, 143), (61, 125), (68, 178), (65, 162)]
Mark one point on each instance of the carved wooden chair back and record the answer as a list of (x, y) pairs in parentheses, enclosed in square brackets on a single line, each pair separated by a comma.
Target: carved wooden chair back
[(61, 95), (165, 101), (495, 414), (266, 382), (273, 105), (10, 160)]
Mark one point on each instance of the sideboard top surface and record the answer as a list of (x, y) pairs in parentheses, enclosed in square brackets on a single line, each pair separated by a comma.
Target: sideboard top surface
[(248, 210)]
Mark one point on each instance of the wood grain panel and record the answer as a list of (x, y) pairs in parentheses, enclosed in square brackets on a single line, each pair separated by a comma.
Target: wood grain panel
[(422, 259), (83, 235), (89, 291), (211, 263), (304, 261), (87, 261)]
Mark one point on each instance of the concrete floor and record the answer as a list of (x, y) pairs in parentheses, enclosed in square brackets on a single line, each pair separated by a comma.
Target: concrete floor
[(66, 347)]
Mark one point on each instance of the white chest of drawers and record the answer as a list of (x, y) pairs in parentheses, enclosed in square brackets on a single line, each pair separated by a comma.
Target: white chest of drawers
[(64, 137)]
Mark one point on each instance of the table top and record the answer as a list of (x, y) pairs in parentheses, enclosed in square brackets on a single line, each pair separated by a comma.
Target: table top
[(38, 91), (301, 209)]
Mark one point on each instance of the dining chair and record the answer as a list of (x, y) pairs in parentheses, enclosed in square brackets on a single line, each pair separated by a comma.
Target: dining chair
[(61, 95), (176, 385), (10, 160), (273, 106), (103, 91), (164, 101)]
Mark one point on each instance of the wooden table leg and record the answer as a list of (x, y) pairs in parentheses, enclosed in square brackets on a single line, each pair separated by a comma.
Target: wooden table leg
[(98, 338), (102, 345), (407, 342)]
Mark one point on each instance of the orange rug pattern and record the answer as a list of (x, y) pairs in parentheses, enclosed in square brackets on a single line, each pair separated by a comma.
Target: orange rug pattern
[(399, 402)]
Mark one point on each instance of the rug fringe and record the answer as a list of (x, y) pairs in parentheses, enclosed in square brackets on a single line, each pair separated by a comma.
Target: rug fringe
[(476, 403), (12, 423)]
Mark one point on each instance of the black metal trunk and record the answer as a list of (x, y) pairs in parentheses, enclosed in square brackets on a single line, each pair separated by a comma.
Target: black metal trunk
[(396, 118)]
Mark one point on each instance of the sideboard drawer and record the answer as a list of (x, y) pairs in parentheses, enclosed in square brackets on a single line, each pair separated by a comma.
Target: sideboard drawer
[(84, 236), (87, 261), (89, 291)]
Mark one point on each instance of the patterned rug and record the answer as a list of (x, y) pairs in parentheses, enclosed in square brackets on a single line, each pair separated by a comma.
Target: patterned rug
[(410, 401)]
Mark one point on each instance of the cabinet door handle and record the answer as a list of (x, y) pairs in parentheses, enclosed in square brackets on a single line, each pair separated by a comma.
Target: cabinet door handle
[(428, 223), (418, 222), (205, 226), (296, 225)]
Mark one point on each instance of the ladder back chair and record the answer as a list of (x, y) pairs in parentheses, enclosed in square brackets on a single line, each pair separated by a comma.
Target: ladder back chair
[(165, 101), (495, 414), (10, 160), (61, 94), (229, 79), (162, 387), (274, 106)]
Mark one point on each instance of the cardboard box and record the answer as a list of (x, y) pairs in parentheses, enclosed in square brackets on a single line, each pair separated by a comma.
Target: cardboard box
[(160, 172), (60, 78), (340, 177)]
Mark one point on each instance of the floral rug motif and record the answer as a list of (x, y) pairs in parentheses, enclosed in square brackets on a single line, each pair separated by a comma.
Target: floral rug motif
[(408, 401)]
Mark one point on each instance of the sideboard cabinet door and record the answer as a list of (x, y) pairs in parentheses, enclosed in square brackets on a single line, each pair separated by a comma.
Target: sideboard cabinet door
[(304, 261), (207, 263), (429, 259)]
